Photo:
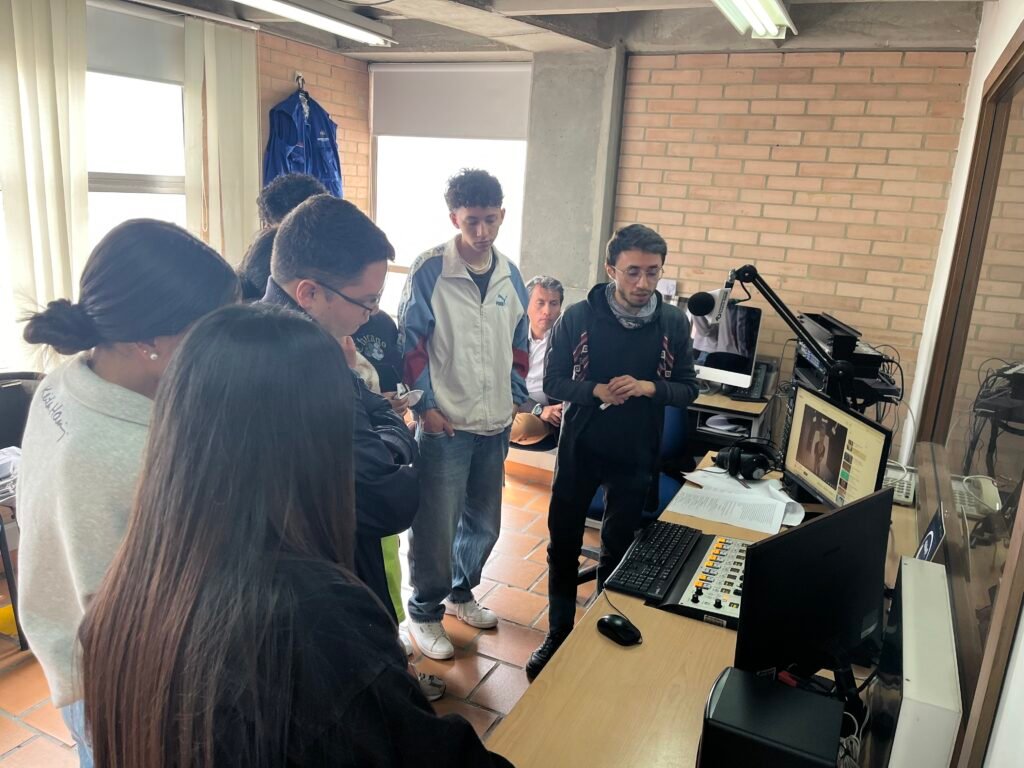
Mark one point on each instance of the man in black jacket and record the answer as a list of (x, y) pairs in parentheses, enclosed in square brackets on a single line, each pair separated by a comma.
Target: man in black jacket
[(616, 360), (330, 261)]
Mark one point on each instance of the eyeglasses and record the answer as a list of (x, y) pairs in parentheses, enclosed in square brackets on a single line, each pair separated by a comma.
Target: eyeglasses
[(371, 308), (633, 274)]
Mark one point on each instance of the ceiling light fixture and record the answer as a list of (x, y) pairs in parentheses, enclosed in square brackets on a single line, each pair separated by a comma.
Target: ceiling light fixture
[(763, 19), (319, 21)]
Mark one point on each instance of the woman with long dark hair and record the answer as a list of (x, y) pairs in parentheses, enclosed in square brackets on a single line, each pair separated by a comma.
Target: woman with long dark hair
[(144, 284), (230, 630)]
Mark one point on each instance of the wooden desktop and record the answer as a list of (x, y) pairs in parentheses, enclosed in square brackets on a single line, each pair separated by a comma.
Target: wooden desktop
[(600, 704)]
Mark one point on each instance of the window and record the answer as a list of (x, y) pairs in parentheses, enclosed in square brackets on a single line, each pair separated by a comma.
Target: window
[(411, 173), (135, 151)]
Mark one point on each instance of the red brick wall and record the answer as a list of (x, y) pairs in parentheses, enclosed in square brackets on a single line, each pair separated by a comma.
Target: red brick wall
[(340, 85), (829, 171)]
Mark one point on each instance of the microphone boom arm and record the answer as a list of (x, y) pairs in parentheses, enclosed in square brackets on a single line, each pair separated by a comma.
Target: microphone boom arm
[(840, 372)]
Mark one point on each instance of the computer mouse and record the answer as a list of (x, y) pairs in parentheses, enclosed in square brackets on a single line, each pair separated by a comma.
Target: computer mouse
[(619, 629)]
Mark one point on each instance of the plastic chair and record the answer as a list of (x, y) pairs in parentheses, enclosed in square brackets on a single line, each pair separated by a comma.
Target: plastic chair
[(16, 390)]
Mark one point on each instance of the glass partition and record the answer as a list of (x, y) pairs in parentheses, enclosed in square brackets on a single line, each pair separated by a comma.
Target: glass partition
[(985, 448)]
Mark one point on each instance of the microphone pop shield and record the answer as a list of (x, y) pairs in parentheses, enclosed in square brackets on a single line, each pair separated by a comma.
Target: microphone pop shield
[(700, 304)]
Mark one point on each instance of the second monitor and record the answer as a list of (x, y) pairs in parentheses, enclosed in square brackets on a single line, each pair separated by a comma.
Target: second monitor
[(834, 454), (725, 352)]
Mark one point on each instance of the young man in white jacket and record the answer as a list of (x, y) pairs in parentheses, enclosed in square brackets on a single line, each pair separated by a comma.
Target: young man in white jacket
[(463, 332)]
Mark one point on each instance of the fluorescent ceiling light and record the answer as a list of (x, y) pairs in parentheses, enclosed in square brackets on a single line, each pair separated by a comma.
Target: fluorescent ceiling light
[(317, 20), (763, 19)]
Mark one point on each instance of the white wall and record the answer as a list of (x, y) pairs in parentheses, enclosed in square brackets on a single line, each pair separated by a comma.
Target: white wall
[(999, 21), (482, 100), (1006, 745)]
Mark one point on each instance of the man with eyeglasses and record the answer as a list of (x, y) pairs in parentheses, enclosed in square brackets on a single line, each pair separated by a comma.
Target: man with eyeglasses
[(615, 360), (329, 262)]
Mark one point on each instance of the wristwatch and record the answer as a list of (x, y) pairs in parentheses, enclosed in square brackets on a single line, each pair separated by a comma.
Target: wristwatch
[(538, 409)]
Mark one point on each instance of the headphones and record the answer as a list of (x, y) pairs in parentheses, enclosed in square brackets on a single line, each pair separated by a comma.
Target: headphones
[(748, 458)]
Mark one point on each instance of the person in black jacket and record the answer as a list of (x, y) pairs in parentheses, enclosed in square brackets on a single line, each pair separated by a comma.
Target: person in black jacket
[(377, 341), (230, 630), (616, 360), (329, 262)]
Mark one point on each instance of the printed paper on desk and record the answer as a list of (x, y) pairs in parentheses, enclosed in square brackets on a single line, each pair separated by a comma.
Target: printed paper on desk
[(743, 511), (717, 480)]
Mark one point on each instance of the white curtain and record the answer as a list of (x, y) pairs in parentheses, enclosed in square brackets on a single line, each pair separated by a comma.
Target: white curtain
[(222, 156), (42, 154)]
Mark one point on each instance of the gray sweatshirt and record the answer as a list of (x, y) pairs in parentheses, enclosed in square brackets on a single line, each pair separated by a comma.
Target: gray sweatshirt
[(81, 457)]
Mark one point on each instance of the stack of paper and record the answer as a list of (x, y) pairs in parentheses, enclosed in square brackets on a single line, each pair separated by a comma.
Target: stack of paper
[(761, 505)]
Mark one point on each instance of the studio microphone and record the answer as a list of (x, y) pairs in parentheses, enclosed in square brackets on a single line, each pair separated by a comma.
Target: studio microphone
[(700, 304), (712, 305)]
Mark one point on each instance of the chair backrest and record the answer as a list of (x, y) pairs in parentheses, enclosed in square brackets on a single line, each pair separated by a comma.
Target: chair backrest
[(673, 433), (16, 390)]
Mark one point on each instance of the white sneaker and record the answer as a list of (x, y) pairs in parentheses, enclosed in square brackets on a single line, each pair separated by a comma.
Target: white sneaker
[(474, 614), (432, 639), (433, 687), (403, 638)]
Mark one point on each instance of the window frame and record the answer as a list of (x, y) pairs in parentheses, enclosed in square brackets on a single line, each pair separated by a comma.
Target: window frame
[(138, 183)]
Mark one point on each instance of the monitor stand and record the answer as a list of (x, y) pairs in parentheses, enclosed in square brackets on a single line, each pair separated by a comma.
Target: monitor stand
[(798, 494), (708, 387)]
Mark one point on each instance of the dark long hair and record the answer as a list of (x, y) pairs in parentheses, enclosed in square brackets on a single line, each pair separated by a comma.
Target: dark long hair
[(249, 464), (144, 279)]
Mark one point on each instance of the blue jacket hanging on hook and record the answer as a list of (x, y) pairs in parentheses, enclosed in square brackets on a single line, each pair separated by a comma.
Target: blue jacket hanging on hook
[(303, 139)]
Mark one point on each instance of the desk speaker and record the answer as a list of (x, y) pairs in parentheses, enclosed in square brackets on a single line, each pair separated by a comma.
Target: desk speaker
[(752, 721)]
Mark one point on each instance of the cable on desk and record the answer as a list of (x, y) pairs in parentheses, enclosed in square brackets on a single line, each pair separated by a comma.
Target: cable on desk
[(615, 607)]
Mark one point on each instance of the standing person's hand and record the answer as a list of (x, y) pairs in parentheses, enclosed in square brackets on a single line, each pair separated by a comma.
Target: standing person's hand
[(627, 387), (604, 393), (435, 422), (349, 348), (399, 404), (552, 415)]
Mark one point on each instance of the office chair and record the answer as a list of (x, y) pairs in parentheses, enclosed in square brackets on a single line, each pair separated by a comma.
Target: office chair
[(16, 390)]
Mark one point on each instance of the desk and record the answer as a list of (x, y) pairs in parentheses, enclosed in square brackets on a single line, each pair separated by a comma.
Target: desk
[(598, 704)]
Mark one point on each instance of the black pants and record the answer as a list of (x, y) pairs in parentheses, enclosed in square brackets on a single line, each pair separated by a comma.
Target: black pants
[(626, 487)]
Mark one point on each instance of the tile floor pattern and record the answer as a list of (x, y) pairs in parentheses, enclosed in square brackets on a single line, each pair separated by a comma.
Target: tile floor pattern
[(485, 679)]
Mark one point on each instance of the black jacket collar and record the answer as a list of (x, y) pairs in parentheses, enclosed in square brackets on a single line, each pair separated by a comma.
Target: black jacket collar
[(277, 296)]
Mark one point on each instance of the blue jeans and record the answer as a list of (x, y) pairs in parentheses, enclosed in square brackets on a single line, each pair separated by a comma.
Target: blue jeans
[(459, 518), (74, 719)]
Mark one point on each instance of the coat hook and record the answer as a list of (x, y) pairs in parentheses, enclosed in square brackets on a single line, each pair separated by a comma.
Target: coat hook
[(300, 81)]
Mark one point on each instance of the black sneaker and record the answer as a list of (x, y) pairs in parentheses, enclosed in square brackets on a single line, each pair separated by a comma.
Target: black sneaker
[(540, 657)]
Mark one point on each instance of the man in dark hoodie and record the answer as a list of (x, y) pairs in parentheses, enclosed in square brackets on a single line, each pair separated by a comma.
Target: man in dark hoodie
[(615, 360)]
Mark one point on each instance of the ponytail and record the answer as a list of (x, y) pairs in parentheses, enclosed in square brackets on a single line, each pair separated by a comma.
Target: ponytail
[(64, 326)]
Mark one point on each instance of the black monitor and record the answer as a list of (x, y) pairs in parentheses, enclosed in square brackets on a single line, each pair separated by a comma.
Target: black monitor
[(812, 595), (833, 453)]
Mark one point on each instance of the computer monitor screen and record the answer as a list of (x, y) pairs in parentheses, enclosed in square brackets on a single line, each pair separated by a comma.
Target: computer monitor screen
[(813, 595), (725, 352), (834, 454)]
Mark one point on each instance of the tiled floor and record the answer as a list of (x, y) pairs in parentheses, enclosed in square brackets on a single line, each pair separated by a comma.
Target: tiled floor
[(485, 679)]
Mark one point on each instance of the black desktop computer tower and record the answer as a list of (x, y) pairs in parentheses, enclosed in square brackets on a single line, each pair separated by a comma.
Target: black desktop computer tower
[(752, 721)]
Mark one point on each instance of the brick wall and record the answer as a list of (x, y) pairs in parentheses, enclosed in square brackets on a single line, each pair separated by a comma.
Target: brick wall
[(997, 324), (828, 171), (340, 85)]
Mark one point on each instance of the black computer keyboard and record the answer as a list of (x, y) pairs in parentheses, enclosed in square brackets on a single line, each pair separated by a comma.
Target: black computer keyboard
[(653, 561)]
